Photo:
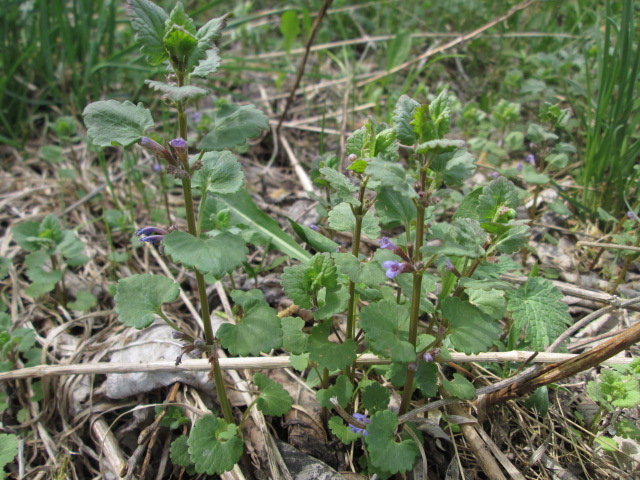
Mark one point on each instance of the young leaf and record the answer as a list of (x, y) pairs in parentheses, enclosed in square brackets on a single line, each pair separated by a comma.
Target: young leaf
[(329, 355), (456, 166), (301, 282), (386, 325), (472, 331), (40, 272), (84, 301), (148, 21), (139, 298), (25, 234), (537, 308), (462, 238), (335, 301), (72, 249), (214, 445), (459, 387), (341, 218), (403, 116), (207, 64), (175, 93), (342, 390), (273, 399), (295, 285), (259, 331), (233, 125), (391, 175), (342, 431), (500, 192), (394, 208), (341, 184), (375, 397), (217, 256), (220, 173), (385, 452), (110, 122), (370, 273), (294, 340)]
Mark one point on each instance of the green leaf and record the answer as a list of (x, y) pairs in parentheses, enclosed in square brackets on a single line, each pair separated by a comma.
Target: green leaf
[(314, 239), (499, 193), (25, 234), (39, 270), (468, 208), (370, 272), (342, 431), (5, 264), (329, 355), (489, 301), (273, 399), (207, 65), (392, 175), (471, 330), (456, 166), (290, 28), (214, 445), (296, 285), (180, 45), (386, 147), (211, 31), (394, 207), (294, 340), (233, 125), (342, 390), (8, 450), (72, 249), (459, 387), (110, 122), (539, 400), (399, 49), (139, 298), (386, 325), (514, 239), (243, 207), (384, 452), (258, 331), (462, 238), (175, 93), (300, 282), (341, 184), (220, 173), (431, 122), (375, 397), (148, 21), (403, 116), (334, 302), (179, 452), (341, 218), (217, 256), (438, 147), (84, 301), (538, 309), (532, 176)]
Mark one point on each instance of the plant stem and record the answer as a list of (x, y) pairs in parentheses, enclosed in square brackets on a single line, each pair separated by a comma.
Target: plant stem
[(416, 293)]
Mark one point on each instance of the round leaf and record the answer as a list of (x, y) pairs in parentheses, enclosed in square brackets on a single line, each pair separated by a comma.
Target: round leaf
[(139, 298), (214, 445)]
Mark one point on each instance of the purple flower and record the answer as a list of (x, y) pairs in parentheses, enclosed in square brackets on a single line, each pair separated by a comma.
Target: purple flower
[(448, 265), (151, 144), (178, 143), (520, 166), (153, 235), (314, 227), (156, 167), (361, 417), (394, 268), (494, 174), (197, 116), (632, 216), (531, 159), (388, 244), (427, 357)]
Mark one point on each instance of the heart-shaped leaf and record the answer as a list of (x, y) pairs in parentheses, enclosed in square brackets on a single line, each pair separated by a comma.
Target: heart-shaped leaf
[(139, 298)]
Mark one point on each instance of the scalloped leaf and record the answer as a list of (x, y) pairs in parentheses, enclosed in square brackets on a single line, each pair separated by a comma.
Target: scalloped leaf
[(341, 218), (329, 355), (370, 273), (471, 330), (110, 122), (385, 452), (220, 173), (175, 93), (341, 184), (375, 397), (392, 175), (214, 445), (148, 21), (139, 298), (233, 125), (258, 331), (500, 192), (273, 399), (403, 117), (179, 451), (216, 256), (342, 390), (386, 326), (342, 431)]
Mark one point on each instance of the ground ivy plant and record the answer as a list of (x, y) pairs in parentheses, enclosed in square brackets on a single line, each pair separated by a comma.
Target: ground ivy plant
[(431, 288), (214, 444)]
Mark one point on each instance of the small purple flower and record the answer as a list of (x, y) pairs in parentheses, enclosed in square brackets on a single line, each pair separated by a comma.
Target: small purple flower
[(156, 167), (520, 166), (314, 227), (394, 268), (427, 357), (151, 144), (178, 143), (632, 216), (153, 235), (361, 417), (494, 174), (196, 117), (530, 159), (385, 242), (448, 265)]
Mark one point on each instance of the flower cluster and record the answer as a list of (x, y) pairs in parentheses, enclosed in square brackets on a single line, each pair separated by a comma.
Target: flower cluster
[(175, 156), (362, 418)]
